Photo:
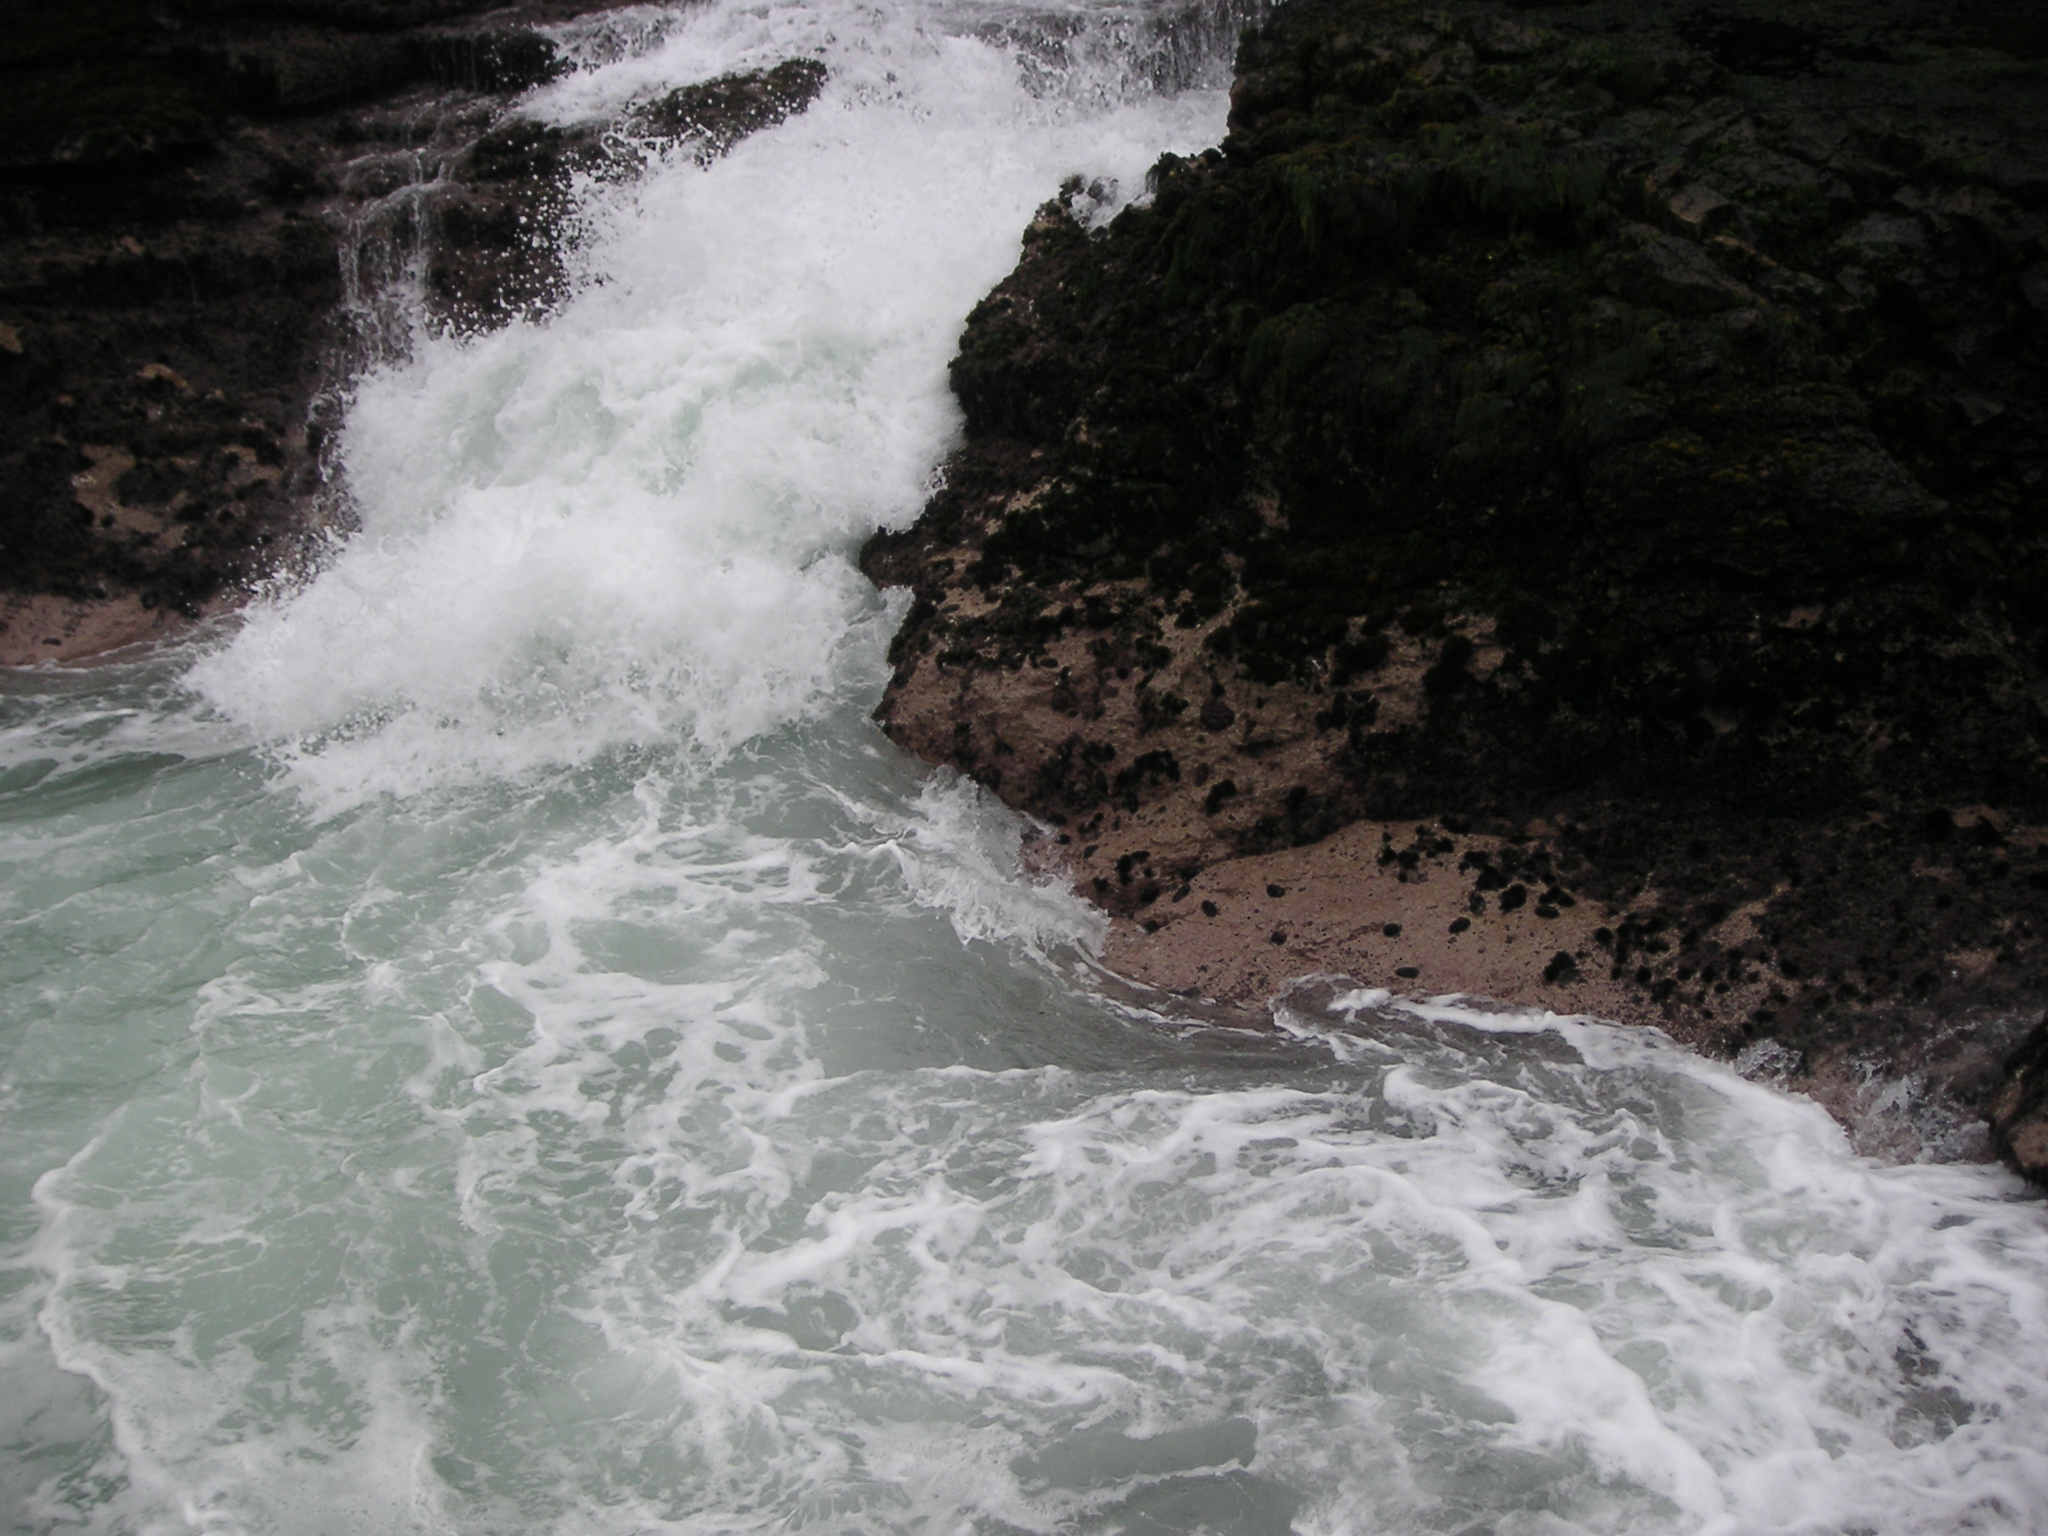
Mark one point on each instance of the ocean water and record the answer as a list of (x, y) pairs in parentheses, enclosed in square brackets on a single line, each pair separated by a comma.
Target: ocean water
[(496, 1041)]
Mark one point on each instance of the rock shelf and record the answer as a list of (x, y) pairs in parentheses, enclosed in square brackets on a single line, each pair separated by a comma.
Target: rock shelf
[(1573, 472)]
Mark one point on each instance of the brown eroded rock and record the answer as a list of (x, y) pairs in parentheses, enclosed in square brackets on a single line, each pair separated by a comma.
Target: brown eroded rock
[(2019, 1115), (36, 628), (171, 286), (1609, 433), (203, 208)]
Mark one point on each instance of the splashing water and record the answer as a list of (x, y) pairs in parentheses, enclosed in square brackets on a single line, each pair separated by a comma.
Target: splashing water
[(500, 1043)]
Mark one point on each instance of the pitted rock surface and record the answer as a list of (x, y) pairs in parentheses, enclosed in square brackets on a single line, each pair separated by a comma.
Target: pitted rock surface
[(1612, 432), (199, 205)]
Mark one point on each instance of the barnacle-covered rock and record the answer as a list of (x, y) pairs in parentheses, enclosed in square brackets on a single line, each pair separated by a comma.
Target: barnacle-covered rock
[(1613, 425)]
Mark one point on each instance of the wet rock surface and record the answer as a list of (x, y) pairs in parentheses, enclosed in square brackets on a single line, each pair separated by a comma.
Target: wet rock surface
[(501, 224), (2019, 1113), (1610, 438), (170, 283), (209, 215)]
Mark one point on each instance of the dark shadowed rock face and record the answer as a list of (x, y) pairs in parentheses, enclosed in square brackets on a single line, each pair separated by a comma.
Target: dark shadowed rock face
[(1625, 422), (499, 235), (2019, 1114), (169, 281), (182, 186)]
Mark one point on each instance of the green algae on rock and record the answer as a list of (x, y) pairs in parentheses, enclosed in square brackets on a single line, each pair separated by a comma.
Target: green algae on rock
[(1625, 421)]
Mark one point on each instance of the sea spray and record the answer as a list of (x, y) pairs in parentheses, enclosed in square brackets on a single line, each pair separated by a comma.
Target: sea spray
[(635, 520)]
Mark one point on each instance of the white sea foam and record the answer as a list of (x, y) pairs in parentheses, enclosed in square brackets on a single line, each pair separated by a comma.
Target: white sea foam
[(575, 1078), (635, 522), (667, 1176)]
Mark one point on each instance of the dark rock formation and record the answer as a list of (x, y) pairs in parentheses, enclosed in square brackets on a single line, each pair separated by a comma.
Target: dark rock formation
[(184, 187), (168, 272), (499, 225), (2019, 1115), (1622, 424)]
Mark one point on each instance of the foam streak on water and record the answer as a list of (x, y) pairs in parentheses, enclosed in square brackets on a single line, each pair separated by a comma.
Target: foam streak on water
[(500, 1043)]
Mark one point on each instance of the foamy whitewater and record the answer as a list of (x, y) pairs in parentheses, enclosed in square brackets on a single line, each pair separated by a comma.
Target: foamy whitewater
[(499, 1042)]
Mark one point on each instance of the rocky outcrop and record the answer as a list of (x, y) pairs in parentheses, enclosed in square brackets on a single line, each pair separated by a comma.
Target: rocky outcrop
[(169, 283), (2019, 1114), (500, 224), (1600, 448), (198, 204)]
